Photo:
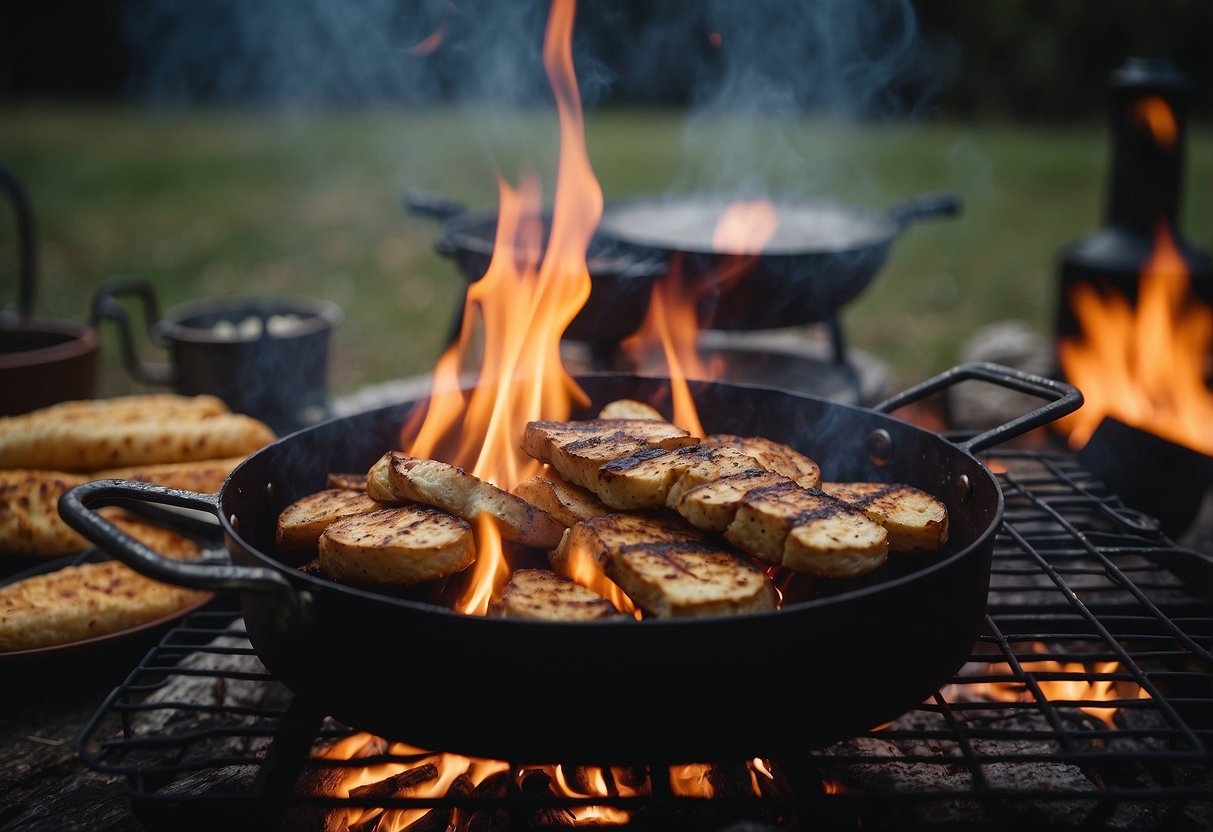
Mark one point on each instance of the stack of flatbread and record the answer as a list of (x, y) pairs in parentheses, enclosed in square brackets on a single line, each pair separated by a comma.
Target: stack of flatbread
[(189, 442)]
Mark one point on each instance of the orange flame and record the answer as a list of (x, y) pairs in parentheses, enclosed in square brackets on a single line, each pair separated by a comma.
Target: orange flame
[(430, 43), (450, 767), (1143, 366), (691, 780), (1157, 116), (583, 568), (516, 314), (670, 329), (1080, 682)]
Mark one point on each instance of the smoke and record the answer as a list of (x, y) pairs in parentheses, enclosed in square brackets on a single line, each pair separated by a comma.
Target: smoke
[(855, 58), (770, 61)]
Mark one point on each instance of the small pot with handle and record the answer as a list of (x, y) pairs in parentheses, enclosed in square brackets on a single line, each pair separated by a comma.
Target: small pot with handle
[(267, 357)]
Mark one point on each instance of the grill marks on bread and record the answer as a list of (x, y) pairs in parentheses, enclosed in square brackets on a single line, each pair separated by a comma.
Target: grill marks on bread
[(916, 521), (397, 477), (807, 530), (750, 489), (668, 568), (772, 456), (542, 595), (301, 523), (395, 547)]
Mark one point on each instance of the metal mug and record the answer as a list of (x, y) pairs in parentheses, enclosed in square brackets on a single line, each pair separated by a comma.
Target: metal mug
[(264, 356)]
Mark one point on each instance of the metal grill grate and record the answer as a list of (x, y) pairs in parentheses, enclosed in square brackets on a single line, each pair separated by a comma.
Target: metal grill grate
[(1087, 704)]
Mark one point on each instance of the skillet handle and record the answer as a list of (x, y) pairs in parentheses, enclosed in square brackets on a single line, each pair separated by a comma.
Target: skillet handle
[(76, 509), (1063, 399), (924, 207), (434, 206)]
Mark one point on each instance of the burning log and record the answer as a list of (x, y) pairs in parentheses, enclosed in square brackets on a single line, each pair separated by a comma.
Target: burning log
[(495, 819), (398, 785)]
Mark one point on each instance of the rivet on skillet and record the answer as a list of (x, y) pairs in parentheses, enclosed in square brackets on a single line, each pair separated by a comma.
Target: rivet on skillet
[(235, 521), (880, 446), (964, 488), (269, 493)]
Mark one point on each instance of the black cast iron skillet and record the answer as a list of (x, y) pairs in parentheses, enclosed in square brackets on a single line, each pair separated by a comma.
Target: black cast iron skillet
[(822, 254), (836, 660)]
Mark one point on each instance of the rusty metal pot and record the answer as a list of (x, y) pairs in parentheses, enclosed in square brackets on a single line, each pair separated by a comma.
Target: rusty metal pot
[(42, 361)]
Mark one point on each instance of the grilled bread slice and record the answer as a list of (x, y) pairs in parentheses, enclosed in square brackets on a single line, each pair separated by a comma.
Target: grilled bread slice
[(713, 505), (539, 439), (772, 455), (542, 595), (567, 503), (916, 521), (301, 523), (629, 409), (464, 495), (832, 535), (396, 547), (654, 477), (669, 569)]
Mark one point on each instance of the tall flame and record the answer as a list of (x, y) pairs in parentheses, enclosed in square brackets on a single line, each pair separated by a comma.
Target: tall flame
[(1145, 366), (672, 324), (515, 315)]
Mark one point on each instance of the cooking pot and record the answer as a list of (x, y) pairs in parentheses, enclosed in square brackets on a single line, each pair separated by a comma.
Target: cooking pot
[(264, 356), (835, 660), (42, 361), (822, 254), (620, 281)]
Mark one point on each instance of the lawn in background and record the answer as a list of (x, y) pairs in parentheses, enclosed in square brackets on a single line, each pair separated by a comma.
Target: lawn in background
[(215, 203)]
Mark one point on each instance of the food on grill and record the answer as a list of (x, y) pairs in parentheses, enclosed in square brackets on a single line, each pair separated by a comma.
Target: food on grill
[(567, 503), (542, 595), (629, 409), (668, 568), (541, 439), (396, 547), (90, 600), (396, 477), (135, 430), (301, 523), (916, 521), (651, 476), (831, 537), (773, 456), (712, 506)]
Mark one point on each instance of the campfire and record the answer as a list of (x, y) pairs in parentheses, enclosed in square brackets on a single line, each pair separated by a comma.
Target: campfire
[(1135, 330)]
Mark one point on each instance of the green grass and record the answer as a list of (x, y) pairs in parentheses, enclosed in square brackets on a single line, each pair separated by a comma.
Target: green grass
[(208, 203)]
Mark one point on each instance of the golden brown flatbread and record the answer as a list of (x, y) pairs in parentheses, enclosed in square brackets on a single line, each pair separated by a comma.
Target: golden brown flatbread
[(29, 514), (127, 431), (82, 602), (204, 476)]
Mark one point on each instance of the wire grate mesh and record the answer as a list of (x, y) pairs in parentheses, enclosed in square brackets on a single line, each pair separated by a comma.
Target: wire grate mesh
[(1087, 703)]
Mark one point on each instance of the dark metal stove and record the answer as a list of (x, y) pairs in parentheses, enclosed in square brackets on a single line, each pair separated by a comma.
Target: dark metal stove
[(1087, 704)]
